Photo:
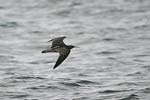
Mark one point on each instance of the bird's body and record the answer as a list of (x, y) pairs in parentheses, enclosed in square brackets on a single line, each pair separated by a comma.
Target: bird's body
[(61, 48)]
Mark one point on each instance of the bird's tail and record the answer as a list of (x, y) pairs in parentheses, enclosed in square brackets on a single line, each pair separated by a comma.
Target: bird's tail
[(44, 51), (47, 51)]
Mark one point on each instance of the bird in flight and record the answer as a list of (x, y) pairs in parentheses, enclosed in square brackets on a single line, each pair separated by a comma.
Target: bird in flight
[(60, 47)]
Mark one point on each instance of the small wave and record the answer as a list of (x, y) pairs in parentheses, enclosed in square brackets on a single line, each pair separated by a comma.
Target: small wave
[(127, 83), (70, 84), (116, 29), (29, 77), (81, 98), (9, 24), (108, 52), (36, 32), (141, 55), (141, 26), (33, 88), (43, 87), (20, 96), (109, 39), (111, 58), (82, 75), (146, 90), (40, 61), (131, 97), (134, 74), (6, 56), (85, 82), (16, 95), (6, 85), (76, 3), (112, 91)]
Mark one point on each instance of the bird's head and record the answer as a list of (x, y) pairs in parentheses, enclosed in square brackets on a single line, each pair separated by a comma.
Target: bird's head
[(64, 37)]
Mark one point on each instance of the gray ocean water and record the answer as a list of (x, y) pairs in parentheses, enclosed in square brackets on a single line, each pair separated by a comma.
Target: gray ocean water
[(112, 63)]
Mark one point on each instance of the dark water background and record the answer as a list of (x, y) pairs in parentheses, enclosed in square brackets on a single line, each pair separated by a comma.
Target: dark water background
[(112, 63)]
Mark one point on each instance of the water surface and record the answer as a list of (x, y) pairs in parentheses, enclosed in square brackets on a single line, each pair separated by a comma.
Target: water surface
[(112, 63)]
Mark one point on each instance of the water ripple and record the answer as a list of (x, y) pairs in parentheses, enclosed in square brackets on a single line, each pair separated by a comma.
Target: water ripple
[(131, 97), (85, 82), (112, 63), (9, 24), (70, 84)]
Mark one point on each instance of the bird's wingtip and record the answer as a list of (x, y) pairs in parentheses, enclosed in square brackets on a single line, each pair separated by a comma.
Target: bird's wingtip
[(54, 67), (63, 37)]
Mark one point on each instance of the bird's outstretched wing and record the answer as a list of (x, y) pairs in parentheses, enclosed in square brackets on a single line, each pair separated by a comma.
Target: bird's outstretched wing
[(63, 53), (57, 42)]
